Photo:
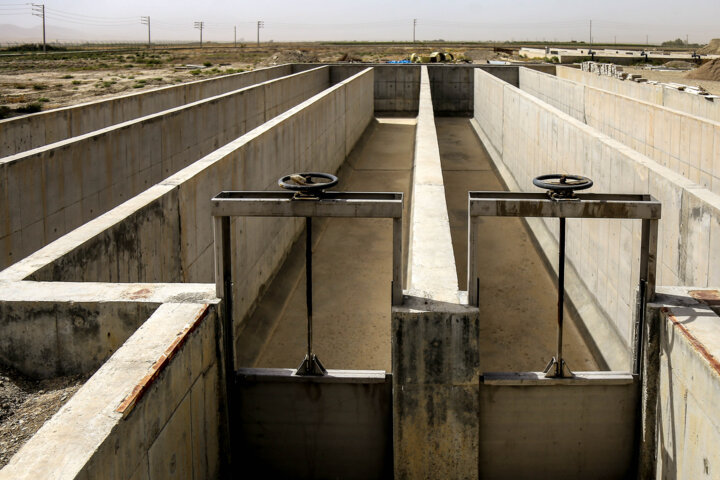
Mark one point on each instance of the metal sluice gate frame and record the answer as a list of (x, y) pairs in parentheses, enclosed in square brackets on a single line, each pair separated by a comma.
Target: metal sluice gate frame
[(588, 205), (309, 204)]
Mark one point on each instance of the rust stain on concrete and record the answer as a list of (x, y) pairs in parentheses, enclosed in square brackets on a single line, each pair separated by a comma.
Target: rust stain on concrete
[(696, 344), (138, 294), (128, 404), (708, 297)]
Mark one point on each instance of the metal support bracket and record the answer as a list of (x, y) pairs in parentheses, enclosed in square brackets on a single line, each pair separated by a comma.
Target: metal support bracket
[(583, 205), (288, 204)]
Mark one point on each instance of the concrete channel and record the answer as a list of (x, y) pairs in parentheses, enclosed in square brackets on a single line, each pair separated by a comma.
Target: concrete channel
[(426, 385)]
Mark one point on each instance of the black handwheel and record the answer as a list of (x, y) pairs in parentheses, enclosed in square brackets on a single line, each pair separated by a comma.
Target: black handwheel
[(305, 182), (562, 184)]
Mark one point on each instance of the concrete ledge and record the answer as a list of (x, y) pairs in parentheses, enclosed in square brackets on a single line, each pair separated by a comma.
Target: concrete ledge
[(431, 261), (53, 329), (538, 379), (282, 375)]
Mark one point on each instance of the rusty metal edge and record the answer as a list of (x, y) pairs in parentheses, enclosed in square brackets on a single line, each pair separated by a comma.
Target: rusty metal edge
[(694, 342), (129, 402)]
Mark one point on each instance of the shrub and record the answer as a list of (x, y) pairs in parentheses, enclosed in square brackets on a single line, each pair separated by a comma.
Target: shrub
[(29, 108)]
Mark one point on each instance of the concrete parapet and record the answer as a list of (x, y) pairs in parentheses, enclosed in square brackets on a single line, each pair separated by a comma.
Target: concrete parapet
[(51, 190), (687, 144), (32, 131), (538, 139), (692, 104), (155, 409), (684, 385)]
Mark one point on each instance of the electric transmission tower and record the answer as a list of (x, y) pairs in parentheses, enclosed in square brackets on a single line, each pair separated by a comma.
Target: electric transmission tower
[(260, 24), (38, 9), (146, 21), (199, 26), (414, 25)]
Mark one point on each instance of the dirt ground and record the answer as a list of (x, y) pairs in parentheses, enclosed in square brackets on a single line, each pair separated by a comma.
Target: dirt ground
[(678, 76), (58, 79), (25, 405)]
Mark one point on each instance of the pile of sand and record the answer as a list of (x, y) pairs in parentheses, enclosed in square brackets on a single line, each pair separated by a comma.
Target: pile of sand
[(291, 56), (707, 71), (679, 64), (712, 48)]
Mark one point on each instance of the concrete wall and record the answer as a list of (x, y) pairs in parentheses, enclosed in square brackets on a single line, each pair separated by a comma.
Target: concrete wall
[(165, 233), (154, 410), (396, 86), (687, 383), (535, 139), (686, 144), (668, 97), (32, 131), (434, 336), (51, 190), (52, 329)]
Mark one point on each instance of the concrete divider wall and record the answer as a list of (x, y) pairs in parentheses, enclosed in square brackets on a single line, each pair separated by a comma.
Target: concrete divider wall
[(165, 233), (31, 131), (435, 428), (687, 144), (668, 97), (155, 409), (53, 189), (537, 139)]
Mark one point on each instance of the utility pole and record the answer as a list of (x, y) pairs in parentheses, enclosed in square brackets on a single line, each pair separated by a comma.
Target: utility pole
[(235, 36), (687, 39), (260, 24), (414, 25), (146, 21), (590, 34), (647, 42), (39, 11), (199, 26)]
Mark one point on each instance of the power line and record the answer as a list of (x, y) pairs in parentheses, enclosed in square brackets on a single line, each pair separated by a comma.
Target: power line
[(199, 26), (146, 21), (39, 11)]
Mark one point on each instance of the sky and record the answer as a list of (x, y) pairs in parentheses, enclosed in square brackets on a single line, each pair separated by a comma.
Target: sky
[(627, 21)]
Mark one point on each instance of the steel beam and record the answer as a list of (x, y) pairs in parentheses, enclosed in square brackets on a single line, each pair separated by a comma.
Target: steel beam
[(331, 204)]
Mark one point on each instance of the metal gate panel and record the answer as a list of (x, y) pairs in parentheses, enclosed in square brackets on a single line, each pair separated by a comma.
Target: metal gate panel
[(534, 427)]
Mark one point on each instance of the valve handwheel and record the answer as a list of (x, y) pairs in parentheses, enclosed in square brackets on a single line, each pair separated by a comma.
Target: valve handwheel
[(561, 185), (305, 183)]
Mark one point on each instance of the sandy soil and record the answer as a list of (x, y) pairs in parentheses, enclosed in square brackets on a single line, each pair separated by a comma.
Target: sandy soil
[(60, 79), (676, 77), (25, 405)]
